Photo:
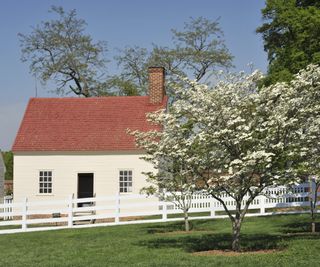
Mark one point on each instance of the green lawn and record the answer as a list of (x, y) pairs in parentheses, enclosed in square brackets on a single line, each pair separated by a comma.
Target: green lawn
[(161, 245)]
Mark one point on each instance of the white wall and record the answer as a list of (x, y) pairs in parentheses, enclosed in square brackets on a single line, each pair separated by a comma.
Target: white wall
[(66, 166)]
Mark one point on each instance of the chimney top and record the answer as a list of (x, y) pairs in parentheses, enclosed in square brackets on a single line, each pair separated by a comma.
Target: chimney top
[(156, 84)]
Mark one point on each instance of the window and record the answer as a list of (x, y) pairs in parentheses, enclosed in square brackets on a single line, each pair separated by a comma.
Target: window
[(125, 181), (45, 182)]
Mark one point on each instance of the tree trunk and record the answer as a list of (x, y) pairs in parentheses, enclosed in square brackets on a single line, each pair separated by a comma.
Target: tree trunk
[(313, 209), (313, 219), (313, 227), (236, 226), (313, 205), (186, 221), (238, 218)]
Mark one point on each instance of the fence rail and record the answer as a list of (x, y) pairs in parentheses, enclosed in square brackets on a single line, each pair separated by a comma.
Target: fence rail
[(128, 209)]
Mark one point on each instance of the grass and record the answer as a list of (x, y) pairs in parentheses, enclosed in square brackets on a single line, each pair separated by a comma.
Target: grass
[(165, 244)]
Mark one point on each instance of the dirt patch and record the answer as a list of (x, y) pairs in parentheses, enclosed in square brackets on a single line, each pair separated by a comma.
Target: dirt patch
[(233, 253)]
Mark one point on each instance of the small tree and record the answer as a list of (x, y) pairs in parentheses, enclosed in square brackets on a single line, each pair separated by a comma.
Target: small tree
[(59, 50), (172, 179), (172, 184)]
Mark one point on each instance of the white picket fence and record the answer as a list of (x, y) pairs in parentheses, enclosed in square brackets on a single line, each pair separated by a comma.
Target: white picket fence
[(133, 209), (7, 200)]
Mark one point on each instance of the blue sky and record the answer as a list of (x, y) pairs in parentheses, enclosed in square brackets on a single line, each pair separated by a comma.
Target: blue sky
[(121, 23)]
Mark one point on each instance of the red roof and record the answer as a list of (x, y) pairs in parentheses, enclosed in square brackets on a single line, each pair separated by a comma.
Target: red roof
[(83, 124)]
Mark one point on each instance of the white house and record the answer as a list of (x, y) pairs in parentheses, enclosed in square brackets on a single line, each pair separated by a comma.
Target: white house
[(80, 146)]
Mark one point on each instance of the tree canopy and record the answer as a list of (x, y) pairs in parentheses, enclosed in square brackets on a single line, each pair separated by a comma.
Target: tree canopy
[(61, 51), (197, 50), (291, 34)]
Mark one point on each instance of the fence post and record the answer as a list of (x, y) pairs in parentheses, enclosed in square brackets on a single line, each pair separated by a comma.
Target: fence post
[(262, 204), (117, 211), (24, 214), (212, 208), (70, 211), (5, 208), (164, 211)]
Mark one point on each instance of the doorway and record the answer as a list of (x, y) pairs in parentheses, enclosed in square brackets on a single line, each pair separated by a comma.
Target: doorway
[(85, 186)]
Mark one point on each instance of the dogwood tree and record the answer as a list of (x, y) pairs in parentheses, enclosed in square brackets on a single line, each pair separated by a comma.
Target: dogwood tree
[(169, 152), (243, 139), (306, 96)]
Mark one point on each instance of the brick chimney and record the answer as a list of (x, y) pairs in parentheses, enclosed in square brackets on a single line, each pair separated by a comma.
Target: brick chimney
[(156, 85)]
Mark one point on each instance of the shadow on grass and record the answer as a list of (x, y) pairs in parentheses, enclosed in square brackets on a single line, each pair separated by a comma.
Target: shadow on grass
[(217, 242), (168, 228), (197, 225), (299, 227), (296, 227), (197, 241)]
